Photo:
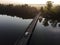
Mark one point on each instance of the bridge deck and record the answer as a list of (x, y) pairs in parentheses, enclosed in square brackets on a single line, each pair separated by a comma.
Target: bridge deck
[(25, 38)]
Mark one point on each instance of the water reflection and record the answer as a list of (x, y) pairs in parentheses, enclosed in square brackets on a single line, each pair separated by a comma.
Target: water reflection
[(47, 32), (11, 28), (52, 22)]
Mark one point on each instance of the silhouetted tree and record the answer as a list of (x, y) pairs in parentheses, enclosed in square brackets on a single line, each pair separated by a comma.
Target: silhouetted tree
[(49, 5), (41, 9)]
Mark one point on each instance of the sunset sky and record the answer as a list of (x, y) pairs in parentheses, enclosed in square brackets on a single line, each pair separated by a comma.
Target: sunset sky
[(28, 1)]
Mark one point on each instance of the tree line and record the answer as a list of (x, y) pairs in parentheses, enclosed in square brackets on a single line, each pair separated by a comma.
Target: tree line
[(51, 13), (24, 11)]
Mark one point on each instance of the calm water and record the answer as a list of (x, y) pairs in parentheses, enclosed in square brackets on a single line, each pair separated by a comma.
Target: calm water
[(47, 32), (11, 28)]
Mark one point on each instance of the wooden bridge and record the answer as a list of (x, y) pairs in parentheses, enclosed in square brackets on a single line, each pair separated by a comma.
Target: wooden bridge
[(28, 33)]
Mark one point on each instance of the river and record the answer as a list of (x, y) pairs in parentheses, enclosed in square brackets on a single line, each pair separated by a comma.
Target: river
[(47, 32)]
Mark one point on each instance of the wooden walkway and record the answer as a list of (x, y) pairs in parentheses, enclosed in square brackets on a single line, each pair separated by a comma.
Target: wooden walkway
[(28, 33)]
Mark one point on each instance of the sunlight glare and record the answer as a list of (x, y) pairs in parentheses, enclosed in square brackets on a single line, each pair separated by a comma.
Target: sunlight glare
[(35, 1), (29, 1)]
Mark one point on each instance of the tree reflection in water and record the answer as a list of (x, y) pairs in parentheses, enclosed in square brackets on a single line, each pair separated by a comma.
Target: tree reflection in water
[(53, 22)]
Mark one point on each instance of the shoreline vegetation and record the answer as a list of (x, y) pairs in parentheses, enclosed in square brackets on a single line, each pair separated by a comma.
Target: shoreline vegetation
[(51, 14), (23, 11), (50, 11)]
